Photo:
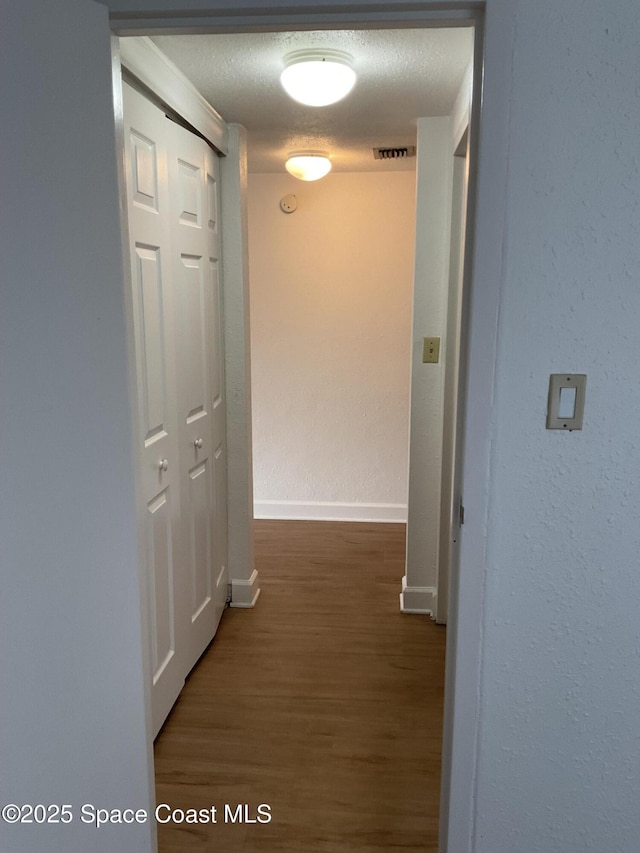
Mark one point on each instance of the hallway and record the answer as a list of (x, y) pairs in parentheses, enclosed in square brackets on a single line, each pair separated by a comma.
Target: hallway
[(324, 703)]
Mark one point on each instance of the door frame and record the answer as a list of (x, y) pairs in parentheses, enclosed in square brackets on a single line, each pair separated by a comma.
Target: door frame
[(483, 275), (450, 497)]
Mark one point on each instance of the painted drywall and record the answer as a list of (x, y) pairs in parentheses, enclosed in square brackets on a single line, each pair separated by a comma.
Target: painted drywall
[(73, 710), (559, 753), (431, 281), (558, 678), (331, 289)]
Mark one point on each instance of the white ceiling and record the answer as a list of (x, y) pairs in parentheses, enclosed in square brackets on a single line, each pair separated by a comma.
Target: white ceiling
[(402, 75)]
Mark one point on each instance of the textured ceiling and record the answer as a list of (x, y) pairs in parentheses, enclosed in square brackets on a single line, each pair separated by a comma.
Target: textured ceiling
[(402, 75)]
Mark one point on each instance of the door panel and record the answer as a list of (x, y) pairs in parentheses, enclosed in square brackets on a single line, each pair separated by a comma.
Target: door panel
[(216, 315), (212, 197), (148, 208), (200, 539), (189, 181), (173, 212), (149, 296), (193, 180), (191, 299), (160, 549), (220, 532), (144, 176)]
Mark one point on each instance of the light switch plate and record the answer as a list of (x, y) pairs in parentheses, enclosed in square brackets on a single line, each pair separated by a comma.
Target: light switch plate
[(431, 350), (565, 409)]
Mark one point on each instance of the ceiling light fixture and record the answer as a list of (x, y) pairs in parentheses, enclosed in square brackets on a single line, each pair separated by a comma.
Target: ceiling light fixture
[(318, 77), (308, 165)]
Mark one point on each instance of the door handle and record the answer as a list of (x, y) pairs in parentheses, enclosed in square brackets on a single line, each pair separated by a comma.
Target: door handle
[(198, 443), (163, 465)]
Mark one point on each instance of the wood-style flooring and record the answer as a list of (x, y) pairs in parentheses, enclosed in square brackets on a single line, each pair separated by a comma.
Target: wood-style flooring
[(323, 702)]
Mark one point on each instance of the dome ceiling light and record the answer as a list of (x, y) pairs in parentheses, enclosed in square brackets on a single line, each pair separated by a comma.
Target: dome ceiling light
[(308, 165), (318, 77)]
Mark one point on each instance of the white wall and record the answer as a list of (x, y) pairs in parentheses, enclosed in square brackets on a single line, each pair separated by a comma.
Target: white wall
[(72, 706), (331, 290), (554, 579), (559, 757)]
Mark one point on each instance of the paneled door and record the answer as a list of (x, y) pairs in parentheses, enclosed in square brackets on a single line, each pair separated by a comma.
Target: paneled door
[(194, 190), (173, 201), (157, 439)]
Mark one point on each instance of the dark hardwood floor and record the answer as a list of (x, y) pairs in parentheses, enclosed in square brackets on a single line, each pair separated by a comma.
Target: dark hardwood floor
[(324, 702)]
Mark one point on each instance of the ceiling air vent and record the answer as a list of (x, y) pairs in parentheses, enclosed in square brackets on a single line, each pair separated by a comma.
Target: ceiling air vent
[(394, 153)]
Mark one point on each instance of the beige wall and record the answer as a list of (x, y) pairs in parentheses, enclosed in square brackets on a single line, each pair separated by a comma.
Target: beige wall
[(331, 291)]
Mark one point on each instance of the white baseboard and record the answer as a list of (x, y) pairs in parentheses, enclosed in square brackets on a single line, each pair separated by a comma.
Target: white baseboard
[(244, 593), (330, 511), (418, 599)]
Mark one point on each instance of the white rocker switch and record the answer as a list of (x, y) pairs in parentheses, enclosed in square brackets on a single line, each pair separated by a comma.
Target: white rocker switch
[(566, 400)]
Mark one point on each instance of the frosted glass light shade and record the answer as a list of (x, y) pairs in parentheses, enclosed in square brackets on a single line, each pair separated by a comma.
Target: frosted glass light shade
[(318, 77), (308, 167)]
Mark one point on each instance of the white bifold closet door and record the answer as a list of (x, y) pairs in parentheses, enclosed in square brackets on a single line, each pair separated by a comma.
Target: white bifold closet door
[(173, 204)]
